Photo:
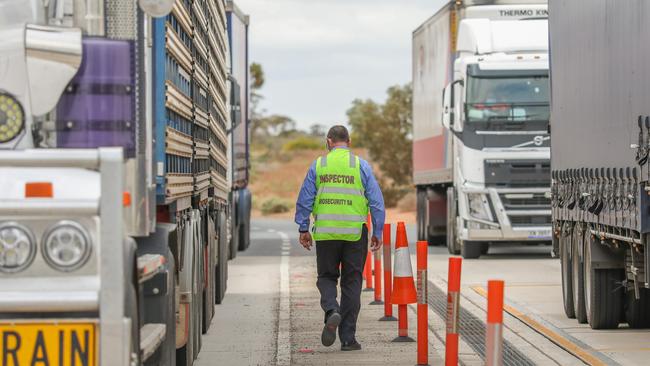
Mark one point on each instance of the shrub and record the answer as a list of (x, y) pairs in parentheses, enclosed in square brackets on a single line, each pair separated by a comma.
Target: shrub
[(303, 143), (275, 205)]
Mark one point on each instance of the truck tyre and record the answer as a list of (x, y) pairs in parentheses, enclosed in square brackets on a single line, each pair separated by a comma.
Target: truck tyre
[(578, 276), (234, 239), (637, 312), (221, 276), (485, 247), (245, 219), (452, 241), (470, 249), (567, 273), (421, 212), (244, 236), (603, 294)]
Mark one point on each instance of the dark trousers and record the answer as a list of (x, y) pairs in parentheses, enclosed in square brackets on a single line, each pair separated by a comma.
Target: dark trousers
[(352, 257)]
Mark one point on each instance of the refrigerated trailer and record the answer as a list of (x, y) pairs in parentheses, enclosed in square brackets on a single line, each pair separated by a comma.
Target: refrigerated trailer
[(600, 127), (116, 179), (480, 117)]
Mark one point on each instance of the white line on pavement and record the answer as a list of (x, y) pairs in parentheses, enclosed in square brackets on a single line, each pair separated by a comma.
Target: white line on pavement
[(283, 353)]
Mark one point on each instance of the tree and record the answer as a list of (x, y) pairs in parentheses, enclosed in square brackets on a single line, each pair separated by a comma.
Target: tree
[(385, 130), (257, 82), (317, 130), (261, 124)]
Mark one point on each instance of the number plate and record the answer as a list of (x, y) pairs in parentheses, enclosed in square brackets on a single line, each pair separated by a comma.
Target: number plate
[(542, 234), (54, 344)]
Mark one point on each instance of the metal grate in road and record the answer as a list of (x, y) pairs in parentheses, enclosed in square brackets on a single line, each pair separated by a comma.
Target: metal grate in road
[(472, 329)]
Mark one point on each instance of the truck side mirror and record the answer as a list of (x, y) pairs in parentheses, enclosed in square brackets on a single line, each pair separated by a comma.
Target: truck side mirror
[(447, 113), (156, 8), (450, 110)]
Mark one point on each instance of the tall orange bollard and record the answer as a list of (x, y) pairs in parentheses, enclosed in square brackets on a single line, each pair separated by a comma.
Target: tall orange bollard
[(423, 307), (494, 331), (453, 307), (404, 288), (367, 269), (388, 277)]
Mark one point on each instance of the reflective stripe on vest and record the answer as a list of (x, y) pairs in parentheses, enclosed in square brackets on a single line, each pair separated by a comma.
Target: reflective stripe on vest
[(337, 230), (340, 190), (340, 206), (335, 217)]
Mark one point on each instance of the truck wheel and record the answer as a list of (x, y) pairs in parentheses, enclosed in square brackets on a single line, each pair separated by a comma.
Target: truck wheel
[(603, 295), (470, 249), (221, 269), (452, 241), (578, 276), (637, 312), (234, 240), (244, 236), (421, 212), (485, 247), (567, 273)]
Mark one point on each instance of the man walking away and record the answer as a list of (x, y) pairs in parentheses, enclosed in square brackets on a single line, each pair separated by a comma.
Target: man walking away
[(338, 190)]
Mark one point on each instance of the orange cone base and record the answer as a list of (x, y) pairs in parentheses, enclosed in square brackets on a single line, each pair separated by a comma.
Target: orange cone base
[(403, 291), (388, 319), (403, 339), (377, 302)]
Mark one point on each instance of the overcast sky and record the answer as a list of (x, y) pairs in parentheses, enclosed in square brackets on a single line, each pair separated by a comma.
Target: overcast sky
[(319, 55)]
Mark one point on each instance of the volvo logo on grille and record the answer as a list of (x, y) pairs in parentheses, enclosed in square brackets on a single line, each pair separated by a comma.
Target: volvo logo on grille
[(538, 140)]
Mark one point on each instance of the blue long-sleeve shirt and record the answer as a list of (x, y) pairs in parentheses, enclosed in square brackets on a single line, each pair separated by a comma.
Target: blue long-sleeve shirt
[(305, 202)]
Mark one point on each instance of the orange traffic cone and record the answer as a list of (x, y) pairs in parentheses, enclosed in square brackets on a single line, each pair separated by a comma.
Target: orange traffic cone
[(403, 285)]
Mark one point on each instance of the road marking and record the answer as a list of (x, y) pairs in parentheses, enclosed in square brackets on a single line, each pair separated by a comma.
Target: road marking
[(283, 351), (571, 347)]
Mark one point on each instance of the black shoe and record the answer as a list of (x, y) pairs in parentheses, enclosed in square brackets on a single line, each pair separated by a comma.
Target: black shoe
[(350, 346), (329, 330)]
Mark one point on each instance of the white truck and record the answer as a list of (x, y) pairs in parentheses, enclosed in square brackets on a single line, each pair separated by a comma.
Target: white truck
[(116, 183), (481, 160)]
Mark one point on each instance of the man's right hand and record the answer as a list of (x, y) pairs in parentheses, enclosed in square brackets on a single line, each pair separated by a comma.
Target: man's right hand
[(305, 240)]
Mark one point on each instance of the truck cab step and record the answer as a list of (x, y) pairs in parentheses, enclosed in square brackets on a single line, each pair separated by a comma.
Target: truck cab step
[(149, 265), (151, 337)]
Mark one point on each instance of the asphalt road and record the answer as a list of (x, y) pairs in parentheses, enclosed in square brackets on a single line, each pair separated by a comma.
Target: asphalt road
[(276, 274)]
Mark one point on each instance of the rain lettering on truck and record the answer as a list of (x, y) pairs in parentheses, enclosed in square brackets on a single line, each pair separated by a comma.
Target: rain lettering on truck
[(46, 348)]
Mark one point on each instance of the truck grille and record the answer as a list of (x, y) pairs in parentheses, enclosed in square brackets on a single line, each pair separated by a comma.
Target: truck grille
[(517, 173), (516, 221), (536, 201)]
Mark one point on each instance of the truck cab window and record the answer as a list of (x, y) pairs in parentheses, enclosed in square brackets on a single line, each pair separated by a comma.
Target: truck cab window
[(516, 99)]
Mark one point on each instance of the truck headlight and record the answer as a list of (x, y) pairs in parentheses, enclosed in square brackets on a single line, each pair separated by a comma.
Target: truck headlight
[(66, 246), (479, 206), (17, 247), (12, 118)]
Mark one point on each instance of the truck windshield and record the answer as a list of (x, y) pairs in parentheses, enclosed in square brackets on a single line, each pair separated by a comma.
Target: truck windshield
[(516, 99)]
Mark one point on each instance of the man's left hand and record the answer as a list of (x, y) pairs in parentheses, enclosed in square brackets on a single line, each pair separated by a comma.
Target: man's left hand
[(375, 243)]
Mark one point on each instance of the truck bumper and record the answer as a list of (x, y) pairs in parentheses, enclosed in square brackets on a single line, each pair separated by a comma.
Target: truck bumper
[(515, 214)]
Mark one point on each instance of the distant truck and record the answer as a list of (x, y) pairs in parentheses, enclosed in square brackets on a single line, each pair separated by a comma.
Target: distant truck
[(481, 160), (600, 126), (119, 202), (238, 80)]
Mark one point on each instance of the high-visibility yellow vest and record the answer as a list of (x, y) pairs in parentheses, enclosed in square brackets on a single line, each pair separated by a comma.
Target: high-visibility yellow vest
[(341, 207)]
